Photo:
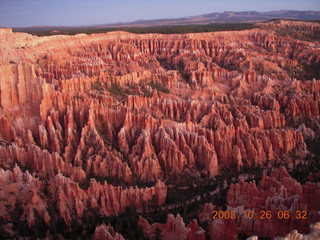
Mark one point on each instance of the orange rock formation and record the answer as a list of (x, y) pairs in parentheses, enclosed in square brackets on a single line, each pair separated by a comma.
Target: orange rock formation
[(274, 193), (88, 121)]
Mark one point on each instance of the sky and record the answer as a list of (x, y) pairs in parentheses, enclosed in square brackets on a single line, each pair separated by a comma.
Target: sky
[(24, 13)]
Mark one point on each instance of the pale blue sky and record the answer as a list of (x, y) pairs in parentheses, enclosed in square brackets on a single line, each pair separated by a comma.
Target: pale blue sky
[(85, 12)]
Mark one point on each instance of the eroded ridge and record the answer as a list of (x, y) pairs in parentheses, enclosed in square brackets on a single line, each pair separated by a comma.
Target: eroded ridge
[(99, 123)]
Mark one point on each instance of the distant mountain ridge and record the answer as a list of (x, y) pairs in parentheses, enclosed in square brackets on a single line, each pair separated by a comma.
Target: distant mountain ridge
[(216, 17), (227, 17)]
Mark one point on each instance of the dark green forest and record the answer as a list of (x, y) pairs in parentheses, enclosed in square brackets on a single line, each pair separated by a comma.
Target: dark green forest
[(156, 29)]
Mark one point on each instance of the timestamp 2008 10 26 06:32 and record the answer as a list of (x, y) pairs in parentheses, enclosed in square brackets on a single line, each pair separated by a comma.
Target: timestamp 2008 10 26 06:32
[(262, 214)]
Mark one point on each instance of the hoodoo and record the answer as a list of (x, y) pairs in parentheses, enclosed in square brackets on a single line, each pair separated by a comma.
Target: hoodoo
[(101, 129)]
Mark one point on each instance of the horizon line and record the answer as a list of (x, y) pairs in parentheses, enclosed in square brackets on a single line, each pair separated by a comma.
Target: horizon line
[(155, 19)]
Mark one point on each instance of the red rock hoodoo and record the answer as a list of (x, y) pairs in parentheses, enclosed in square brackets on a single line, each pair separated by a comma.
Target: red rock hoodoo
[(94, 125)]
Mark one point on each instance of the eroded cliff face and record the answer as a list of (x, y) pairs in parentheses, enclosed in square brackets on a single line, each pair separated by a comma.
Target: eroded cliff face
[(103, 232), (174, 228), (99, 117), (274, 193)]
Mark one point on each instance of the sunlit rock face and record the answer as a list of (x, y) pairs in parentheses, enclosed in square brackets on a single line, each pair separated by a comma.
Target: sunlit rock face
[(275, 193), (97, 124)]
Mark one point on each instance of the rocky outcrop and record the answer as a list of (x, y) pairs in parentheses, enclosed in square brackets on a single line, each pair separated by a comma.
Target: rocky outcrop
[(225, 127), (22, 192), (94, 119), (72, 200), (173, 228), (274, 193), (313, 26), (103, 232)]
